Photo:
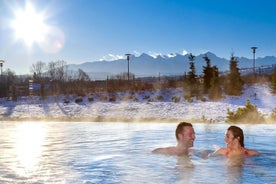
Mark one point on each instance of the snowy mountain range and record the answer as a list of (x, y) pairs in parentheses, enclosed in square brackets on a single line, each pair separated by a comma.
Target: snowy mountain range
[(177, 64)]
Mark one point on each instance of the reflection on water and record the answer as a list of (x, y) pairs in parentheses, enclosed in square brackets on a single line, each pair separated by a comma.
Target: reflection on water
[(73, 152), (29, 139), (236, 161), (21, 148), (234, 174), (185, 168)]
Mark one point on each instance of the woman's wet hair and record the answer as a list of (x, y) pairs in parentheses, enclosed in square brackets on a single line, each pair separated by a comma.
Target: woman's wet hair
[(180, 128), (237, 133)]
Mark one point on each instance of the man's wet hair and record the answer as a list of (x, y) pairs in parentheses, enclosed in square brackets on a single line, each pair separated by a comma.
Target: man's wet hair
[(180, 128)]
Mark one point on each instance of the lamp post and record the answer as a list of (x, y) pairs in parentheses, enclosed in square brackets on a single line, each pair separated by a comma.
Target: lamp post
[(128, 57), (254, 51), (1, 65)]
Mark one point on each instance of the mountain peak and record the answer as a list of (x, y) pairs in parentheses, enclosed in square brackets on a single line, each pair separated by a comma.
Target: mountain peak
[(145, 56), (171, 64), (208, 54)]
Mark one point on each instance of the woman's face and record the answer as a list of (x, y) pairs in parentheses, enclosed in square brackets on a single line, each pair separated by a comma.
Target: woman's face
[(229, 137)]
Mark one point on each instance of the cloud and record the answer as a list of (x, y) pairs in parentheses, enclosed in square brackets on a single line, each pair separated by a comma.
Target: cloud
[(111, 57), (184, 52), (136, 53), (171, 55), (154, 54)]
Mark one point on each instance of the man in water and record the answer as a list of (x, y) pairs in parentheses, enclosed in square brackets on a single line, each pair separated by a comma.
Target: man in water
[(185, 136)]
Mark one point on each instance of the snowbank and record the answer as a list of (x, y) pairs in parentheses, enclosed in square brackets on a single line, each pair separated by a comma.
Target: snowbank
[(142, 109)]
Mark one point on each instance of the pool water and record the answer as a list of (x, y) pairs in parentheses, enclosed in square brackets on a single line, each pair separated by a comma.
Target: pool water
[(87, 152)]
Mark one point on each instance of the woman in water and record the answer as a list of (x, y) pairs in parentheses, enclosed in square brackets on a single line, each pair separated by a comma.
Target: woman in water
[(234, 140)]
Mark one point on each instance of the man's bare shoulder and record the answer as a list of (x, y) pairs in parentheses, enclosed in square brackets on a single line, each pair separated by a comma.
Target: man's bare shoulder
[(167, 150)]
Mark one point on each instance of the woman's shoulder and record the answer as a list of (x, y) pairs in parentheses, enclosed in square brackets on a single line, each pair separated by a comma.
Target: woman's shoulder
[(251, 152), (220, 151)]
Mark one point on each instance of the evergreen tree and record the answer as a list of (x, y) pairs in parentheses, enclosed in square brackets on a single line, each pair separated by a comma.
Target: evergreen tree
[(192, 77), (215, 91), (42, 89), (233, 83), (273, 83), (247, 114), (207, 74), (14, 93)]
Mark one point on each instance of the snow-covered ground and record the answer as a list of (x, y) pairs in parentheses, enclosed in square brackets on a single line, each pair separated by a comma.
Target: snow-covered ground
[(141, 109)]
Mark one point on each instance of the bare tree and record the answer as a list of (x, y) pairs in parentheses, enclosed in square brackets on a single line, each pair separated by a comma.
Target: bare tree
[(38, 69), (52, 70), (57, 71), (82, 76), (61, 70)]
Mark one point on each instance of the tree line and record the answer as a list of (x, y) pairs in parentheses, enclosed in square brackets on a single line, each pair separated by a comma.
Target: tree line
[(211, 83), (54, 78)]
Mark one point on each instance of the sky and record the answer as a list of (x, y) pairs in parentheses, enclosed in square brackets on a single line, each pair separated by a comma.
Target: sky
[(79, 31)]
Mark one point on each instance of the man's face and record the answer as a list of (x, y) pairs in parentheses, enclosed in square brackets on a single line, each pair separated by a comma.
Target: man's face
[(188, 136)]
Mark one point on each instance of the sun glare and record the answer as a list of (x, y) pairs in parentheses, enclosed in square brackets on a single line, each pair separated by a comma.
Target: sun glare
[(29, 143), (29, 25)]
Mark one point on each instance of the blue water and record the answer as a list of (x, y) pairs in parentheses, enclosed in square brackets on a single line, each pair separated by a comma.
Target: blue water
[(80, 152)]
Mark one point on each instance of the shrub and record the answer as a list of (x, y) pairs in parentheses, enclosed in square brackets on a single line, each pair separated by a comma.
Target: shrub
[(159, 98), (103, 98), (201, 98), (149, 100), (135, 99), (273, 115), (175, 99), (246, 114), (128, 97), (78, 100), (90, 99), (203, 119), (66, 101), (188, 98), (112, 98), (146, 97)]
